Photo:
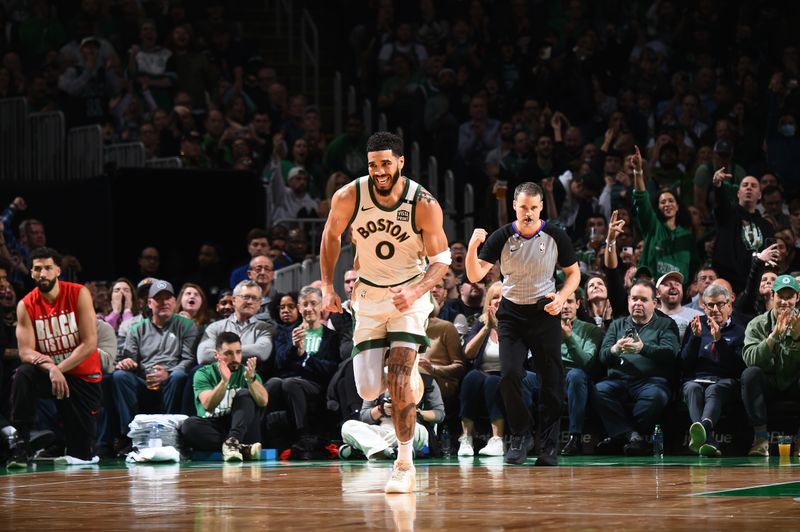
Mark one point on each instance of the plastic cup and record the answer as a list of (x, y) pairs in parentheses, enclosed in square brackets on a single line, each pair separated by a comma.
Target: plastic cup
[(785, 446), (501, 189), (151, 385)]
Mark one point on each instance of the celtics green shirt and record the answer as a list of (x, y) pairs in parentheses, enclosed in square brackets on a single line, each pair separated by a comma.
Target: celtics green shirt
[(207, 378)]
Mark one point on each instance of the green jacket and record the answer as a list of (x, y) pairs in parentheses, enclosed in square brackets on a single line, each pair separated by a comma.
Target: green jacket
[(780, 360), (664, 250), (659, 356), (579, 350)]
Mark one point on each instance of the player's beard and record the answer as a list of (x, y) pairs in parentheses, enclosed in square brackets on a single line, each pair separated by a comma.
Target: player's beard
[(386, 192), (234, 366), (45, 285)]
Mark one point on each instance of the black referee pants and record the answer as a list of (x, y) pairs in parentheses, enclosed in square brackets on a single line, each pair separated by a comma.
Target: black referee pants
[(528, 327)]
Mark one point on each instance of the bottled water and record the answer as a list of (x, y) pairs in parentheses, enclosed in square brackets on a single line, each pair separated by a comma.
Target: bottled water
[(444, 441), (658, 442)]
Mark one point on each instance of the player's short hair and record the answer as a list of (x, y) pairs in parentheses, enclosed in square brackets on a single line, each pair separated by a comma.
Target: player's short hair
[(530, 189), (226, 337), (383, 140), (46, 253)]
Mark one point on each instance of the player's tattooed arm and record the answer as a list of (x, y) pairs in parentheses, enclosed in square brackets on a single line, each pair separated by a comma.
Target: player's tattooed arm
[(426, 196)]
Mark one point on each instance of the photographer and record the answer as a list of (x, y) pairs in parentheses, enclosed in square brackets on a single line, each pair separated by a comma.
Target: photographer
[(639, 351), (374, 434)]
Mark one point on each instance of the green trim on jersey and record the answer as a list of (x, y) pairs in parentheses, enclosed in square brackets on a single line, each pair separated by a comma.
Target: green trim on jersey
[(358, 201), (370, 283), (414, 210), (393, 208), (393, 336)]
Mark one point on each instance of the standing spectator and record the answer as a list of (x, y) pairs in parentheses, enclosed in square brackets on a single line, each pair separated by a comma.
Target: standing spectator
[(262, 272), (229, 398), (150, 64), (476, 138), (257, 244), (88, 87), (782, 139), (741, 230), (704, 175), (292, 201), (345, 153), (192, 70), (669, 246)]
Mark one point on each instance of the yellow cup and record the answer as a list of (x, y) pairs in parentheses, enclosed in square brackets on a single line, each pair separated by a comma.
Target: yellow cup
[(785, 446)]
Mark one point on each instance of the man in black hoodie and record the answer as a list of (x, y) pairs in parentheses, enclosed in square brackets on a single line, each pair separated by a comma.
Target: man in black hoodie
[(741, 231)]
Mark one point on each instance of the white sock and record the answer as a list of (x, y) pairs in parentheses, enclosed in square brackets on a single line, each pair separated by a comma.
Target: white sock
[(404, 451)]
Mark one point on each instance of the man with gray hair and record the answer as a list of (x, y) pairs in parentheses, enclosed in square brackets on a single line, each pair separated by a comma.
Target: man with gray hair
[(255, 335), (712, 361)]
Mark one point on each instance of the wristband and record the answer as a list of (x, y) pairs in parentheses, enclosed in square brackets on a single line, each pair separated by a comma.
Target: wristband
[(611, 244)]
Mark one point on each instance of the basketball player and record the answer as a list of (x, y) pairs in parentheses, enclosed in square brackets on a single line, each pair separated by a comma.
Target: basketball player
[(57, 337), (395, 224), (529, 249)]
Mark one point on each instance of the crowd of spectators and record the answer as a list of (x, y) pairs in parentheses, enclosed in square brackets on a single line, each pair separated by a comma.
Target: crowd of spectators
[(663, 134)]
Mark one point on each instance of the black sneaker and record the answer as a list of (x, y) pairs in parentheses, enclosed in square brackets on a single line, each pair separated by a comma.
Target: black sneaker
[(573, 446), (18, 456), (636, 447), (610, 446), (547, 458), (518, 449)]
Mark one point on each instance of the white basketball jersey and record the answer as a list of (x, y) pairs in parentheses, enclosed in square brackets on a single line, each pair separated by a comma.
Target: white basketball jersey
[(389, 247)]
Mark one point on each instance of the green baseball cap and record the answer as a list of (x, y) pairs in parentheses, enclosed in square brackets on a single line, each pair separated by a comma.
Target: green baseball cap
[(785, 281)]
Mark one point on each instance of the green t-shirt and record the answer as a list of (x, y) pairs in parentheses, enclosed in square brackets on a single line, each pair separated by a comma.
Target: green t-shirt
[(207, 378), (313, 339)]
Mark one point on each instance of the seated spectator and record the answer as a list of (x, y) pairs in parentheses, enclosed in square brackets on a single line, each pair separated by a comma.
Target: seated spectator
[(373, 435), (149, 262), (156, 358), (439, 294), (123, 305), (284, 310), (670, 295), (788, 256), (444, 359), (458, 252), (579, 346), (463, 311), (774, 207), (480, 389), (209, 271), (345, 153), (640, 353), (702, 280), (255, 336), (306, 358), (262, 273), (193, 304), (771, 352), (741, 230), (756, 298), (257, 244), (669, 245), (712, 364), (63, 365), (336, 181), (229, 398), (225, 308), (342, 322)]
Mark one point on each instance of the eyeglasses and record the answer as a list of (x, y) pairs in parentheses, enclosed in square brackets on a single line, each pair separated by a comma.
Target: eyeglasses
[(261, 269), (249, 298), (718, 304)]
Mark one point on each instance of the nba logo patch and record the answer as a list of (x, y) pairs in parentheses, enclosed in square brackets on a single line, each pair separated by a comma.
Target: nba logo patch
[(402, 216), (541, 247)]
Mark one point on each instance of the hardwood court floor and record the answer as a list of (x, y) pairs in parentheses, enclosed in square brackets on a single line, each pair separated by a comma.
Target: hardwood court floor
[(590, 492)]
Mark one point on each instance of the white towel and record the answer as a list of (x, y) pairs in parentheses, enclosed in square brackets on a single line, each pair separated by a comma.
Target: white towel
[(71, 460), (154, 454)]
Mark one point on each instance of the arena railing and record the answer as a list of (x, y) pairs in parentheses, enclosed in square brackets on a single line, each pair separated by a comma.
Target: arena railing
[(125, 154), (45, 146), (383, 122), (13, 124), (284, 10), (164, 162), (416, 162), (468, 221), (84, 152), (449, 205), (310, 271), (289, 278), (433, 176), (309, 54), (366, 111)]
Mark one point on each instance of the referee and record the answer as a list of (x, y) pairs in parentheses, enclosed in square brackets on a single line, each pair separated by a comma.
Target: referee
[(528, 316)]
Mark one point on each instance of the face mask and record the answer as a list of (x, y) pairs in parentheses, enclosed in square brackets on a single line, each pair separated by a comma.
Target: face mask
[(787, 130)]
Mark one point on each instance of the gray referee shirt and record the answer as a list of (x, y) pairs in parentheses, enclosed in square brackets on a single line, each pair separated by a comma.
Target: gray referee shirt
[(528, 265)]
